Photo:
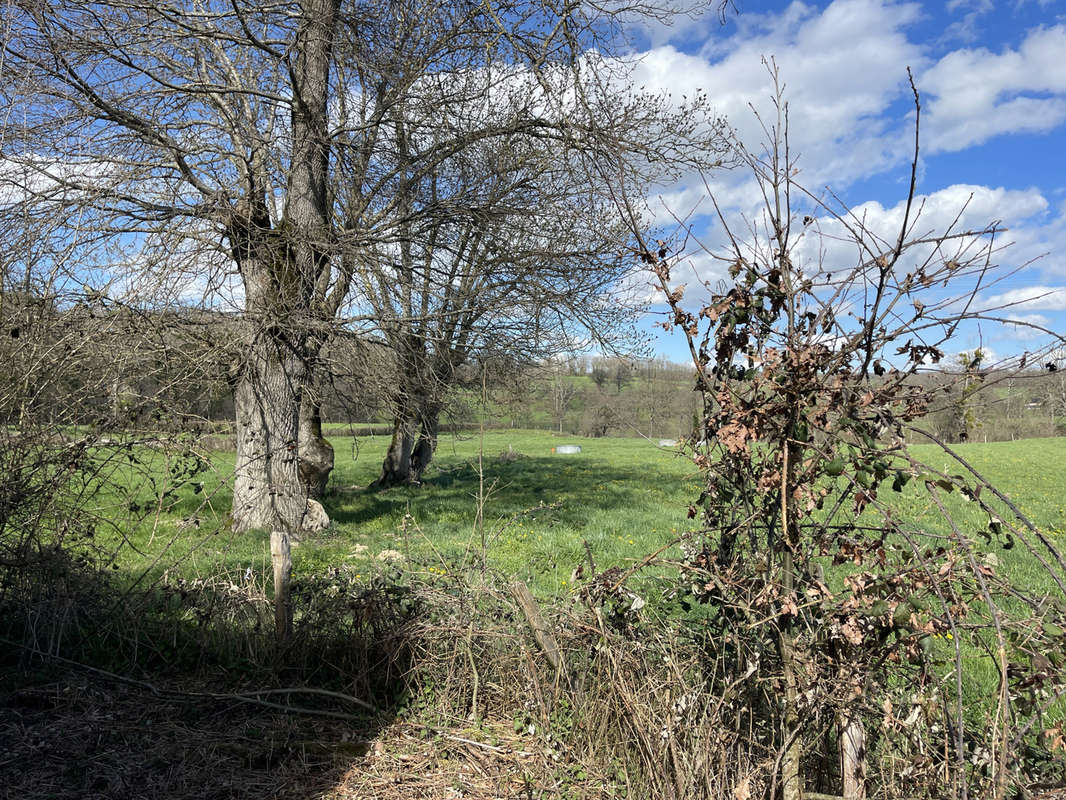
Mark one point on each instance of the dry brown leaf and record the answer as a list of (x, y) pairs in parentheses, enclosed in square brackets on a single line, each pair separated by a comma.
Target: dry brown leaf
[(851, 631)]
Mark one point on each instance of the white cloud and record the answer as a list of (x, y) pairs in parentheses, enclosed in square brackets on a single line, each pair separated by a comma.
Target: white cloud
[(956, 209), (36, 177), (690, 24), (965, 29), (1031, 298), (696, 269), (845, 73), (1027, 325), (978, 94), (827, 246), (978, 205), (851, 126), (842, 68), (851, 119)]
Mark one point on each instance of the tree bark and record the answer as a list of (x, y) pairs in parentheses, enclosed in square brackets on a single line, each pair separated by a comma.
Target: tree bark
[(316, 453), (415, 433), (396, 469), (267, 491), (280, 266), (426, 446)]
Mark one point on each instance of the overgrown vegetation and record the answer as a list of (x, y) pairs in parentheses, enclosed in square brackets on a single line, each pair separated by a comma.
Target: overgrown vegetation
[(409, 636), (795, 598), (807, 370)]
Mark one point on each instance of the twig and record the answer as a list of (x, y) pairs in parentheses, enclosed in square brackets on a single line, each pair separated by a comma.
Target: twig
[(644, 562), (1006, 501), (309, 690), (279, 706), (243, 697), (79, 665)]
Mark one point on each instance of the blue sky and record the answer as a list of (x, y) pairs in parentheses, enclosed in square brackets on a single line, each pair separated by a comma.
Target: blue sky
[(992, 74)]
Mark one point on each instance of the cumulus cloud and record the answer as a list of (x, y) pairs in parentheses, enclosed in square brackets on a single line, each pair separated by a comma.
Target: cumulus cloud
[(851, 121), (843, 67), (829, 245), (961, 207), (978, 94), (1027, 327), (1031, 298), (965, 29)]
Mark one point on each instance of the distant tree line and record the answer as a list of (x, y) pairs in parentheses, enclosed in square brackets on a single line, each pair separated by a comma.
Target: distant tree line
[(180, 379)]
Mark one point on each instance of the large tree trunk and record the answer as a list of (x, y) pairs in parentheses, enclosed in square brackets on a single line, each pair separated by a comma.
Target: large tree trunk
[(414, 441), (307, 209), (426, 446), (396, 469), (280, 268), (307, 218), (267, 491), (316, 454)]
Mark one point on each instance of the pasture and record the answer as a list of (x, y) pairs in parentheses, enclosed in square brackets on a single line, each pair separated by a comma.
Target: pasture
[(504, 501)]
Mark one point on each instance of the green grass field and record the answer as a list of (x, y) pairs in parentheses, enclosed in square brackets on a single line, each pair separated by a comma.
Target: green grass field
[(625, 498), (542, 513)]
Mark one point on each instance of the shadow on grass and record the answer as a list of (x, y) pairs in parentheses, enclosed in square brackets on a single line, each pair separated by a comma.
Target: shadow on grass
[(576, 487), (181, 693)]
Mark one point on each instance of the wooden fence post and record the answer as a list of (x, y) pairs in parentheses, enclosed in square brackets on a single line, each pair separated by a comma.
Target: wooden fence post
[(281, 557), (853, 756)]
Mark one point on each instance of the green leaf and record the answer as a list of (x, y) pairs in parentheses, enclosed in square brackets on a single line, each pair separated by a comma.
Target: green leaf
[(834, 467), (901, 617)]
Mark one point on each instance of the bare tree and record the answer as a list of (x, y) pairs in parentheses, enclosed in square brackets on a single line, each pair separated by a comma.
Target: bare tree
[(511, 257), (600, 375), (563, 391), (203, 132), (507, 247), (201, 148)]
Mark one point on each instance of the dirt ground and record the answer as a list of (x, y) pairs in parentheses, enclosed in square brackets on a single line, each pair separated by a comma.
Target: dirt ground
[(77, 737), (80, 737)]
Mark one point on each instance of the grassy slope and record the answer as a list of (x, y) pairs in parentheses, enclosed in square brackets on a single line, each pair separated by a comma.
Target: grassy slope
[(622, 496)]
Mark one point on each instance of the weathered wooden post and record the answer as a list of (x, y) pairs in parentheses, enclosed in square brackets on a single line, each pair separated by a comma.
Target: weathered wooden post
[(853, 756), (281, 557)]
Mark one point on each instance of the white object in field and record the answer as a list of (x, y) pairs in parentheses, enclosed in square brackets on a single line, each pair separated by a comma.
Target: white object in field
[(668, 443), (568, 449)]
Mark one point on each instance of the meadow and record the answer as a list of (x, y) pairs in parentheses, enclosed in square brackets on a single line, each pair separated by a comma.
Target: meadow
[(504, 500), (501, 501)]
